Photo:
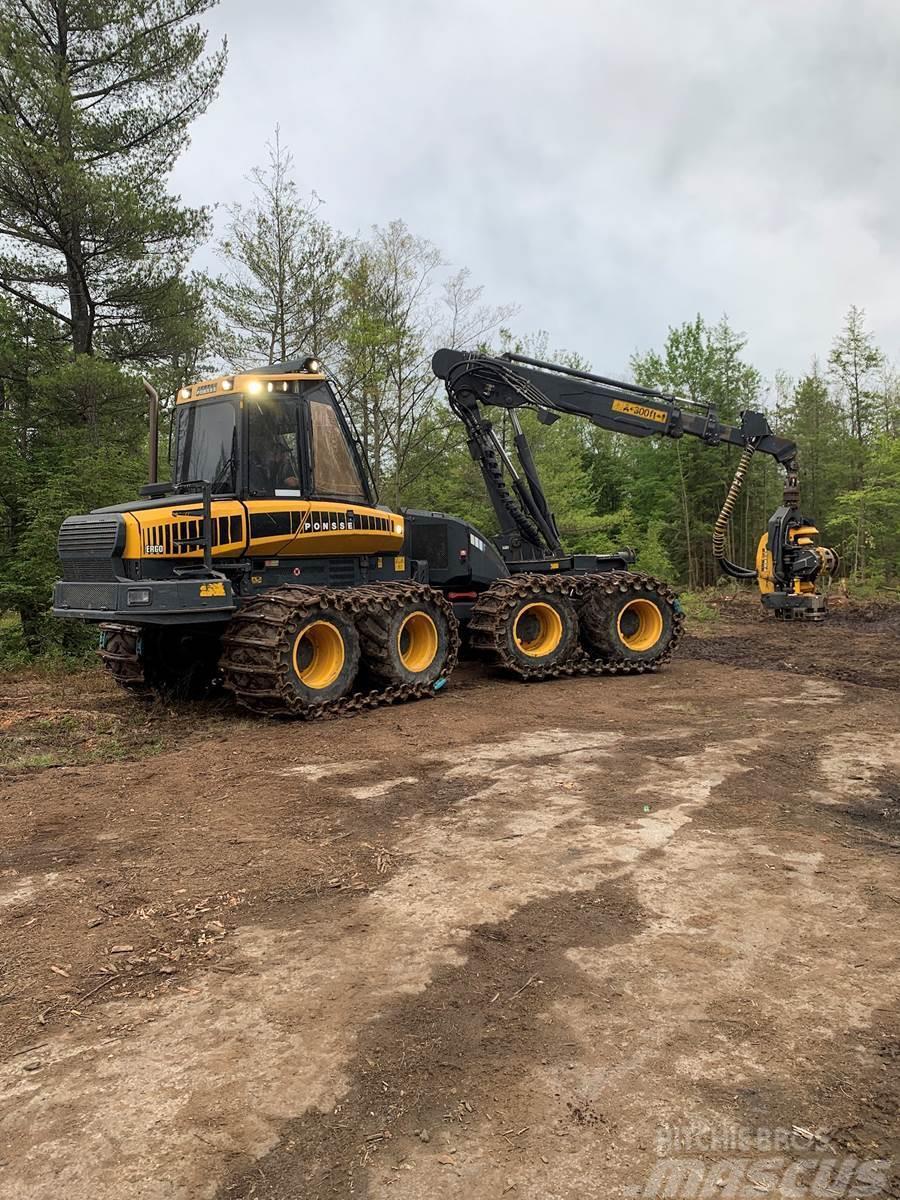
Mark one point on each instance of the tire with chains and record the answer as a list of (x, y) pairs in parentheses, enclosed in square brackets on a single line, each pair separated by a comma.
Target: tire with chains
[(119, 654), (496, 606), (257, 635), (377, 629), (253, 659)]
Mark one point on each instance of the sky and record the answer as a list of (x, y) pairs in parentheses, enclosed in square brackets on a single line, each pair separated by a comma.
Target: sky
[(613, 167)]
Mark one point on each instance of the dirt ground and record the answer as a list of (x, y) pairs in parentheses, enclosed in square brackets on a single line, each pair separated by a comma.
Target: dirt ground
[(526, 940)]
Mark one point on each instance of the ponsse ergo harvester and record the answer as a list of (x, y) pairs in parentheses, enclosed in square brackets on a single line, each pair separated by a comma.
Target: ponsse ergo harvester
[(268, 565)]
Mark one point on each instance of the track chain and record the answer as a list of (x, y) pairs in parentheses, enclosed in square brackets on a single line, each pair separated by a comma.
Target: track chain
[(493, 606), (257, 636), (119, 654), (254, 660)]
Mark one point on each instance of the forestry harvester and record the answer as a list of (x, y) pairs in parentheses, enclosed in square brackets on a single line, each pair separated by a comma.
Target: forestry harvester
[(267, 564)]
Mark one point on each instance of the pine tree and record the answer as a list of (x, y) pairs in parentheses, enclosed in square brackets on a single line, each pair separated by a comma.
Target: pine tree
[(855, 364), (96, 97), (813, 418)]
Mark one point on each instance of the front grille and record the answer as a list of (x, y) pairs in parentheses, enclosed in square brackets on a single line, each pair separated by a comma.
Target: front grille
[(81, 570), (97, 597), (90, 537)]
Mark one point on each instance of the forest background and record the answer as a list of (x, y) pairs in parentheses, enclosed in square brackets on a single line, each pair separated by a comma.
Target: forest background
[(98, 289)]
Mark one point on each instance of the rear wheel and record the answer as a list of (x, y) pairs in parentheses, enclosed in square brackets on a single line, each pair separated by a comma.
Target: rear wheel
[(537, 629), (410, 643), (634, 625), (541, 630)]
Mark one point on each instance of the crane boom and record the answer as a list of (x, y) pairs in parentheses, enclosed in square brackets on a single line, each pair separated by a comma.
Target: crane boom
[(515, 381)]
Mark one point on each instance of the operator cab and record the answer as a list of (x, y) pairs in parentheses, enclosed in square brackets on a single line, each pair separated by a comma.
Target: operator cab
[(278, 431)]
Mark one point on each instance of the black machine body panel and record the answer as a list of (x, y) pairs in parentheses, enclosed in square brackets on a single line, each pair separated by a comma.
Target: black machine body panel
[(459, 557)]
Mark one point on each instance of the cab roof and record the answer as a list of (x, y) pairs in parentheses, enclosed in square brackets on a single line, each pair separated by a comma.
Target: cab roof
[(225, 385)]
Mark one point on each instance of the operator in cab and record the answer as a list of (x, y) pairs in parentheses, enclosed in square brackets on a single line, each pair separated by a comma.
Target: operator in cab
[(283, 469)]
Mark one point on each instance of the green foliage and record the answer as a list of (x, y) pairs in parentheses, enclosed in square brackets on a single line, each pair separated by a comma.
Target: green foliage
[(813, 417), (281, 295), (866, 520), (682, 487), (78, 443), (96, 97), (854, 362)]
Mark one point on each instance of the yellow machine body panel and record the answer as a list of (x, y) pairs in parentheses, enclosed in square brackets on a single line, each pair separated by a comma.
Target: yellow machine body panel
[(764, 576), (264, 528)]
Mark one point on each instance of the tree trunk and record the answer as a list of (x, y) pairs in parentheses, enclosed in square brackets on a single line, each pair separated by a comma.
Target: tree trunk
[(30, 617), (687, 518), (80, 305)]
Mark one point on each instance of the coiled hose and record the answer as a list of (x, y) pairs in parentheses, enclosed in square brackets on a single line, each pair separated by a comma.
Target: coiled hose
[(723, 520)]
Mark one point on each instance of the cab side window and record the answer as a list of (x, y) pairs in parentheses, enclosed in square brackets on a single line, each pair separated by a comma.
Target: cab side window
[(334, 469)]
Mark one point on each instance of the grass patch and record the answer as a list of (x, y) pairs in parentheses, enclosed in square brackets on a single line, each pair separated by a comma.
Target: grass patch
[(80, 736), (64, 644), (54, 714), (853, 590), (698, 606)]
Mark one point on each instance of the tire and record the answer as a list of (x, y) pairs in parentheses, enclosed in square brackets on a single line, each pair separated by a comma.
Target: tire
[(540, 630), (633, 626), (119, 652), (322, 655), (408, 644)]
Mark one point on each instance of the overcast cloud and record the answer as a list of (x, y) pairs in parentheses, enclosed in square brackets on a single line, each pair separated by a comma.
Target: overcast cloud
[(612, 166)]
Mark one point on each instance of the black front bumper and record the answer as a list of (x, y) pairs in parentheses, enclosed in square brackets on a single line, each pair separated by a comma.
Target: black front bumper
[(171, 601)]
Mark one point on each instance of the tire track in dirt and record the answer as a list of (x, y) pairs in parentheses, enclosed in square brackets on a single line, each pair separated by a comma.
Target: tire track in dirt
[(512, 857), (720, 1012), (278, 1038)]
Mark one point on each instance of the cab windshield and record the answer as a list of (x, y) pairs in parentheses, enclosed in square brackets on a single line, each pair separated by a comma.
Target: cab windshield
[(287, 460), (206, 444)]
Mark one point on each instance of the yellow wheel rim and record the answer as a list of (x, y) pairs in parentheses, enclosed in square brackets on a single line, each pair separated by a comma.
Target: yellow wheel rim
[(538, 629), (417, 642), (318, 654), (640, 625)]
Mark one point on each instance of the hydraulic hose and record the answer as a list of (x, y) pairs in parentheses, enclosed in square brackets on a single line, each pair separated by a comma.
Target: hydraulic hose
[(723, 520)]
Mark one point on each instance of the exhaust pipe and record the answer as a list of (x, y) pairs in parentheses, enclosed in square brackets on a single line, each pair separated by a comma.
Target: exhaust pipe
[(153, 457)]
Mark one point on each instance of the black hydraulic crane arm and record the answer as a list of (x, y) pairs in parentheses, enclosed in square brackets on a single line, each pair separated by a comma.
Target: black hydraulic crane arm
[(515, 381), (610, 403)]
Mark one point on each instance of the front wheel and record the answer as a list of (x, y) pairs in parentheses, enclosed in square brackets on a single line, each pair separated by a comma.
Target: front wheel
[(174, 662), (321, 655)]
